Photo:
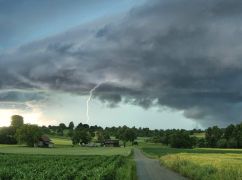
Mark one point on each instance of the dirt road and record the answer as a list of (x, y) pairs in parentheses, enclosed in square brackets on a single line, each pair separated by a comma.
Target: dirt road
[(150, 169)]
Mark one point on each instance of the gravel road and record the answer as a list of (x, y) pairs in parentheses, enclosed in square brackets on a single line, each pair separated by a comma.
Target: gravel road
[(150, 169)]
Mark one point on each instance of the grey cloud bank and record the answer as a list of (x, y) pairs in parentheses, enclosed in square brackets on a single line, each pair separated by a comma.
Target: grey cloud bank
[(182, 54)]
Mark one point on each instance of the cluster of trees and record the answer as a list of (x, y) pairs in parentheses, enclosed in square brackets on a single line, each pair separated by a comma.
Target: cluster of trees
[(229, 137), (83, 134), (18, 132), (176, 138)]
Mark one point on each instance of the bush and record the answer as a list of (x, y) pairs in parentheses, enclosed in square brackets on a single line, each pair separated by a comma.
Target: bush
[(182, 139), (232, 143), (222, 143), (201, 143), (7, 135)]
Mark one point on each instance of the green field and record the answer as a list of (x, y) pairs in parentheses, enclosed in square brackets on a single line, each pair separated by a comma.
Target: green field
[(157, 150), (205, 166), (15, 166), (65, 150), (199, 163), (66, 162)]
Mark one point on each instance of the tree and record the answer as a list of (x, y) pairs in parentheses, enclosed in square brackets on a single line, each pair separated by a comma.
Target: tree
[(130, 135), (181, 139), (222, 143), (28, 134), (126, 134), (212, 135), (100, 136), (228, 133), (62, 126), (71, 125), (201, 143), (17, 121), (81, 137), (7, 135)]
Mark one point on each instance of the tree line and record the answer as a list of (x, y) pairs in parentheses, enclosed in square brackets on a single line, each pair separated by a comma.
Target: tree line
[(18, 132)]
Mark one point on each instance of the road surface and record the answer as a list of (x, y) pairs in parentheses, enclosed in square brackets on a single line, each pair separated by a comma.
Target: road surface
[(150, 169)]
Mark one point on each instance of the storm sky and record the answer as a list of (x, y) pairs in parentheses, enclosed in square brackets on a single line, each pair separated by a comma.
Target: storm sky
[(159, 63)]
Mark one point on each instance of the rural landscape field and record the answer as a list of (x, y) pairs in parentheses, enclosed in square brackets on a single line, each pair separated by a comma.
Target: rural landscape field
[(120, 90)]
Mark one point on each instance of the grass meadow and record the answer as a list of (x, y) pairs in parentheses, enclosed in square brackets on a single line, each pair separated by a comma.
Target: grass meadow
[(199, 163)]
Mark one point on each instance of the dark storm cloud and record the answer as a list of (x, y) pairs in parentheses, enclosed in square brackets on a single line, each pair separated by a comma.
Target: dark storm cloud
[(182, 54)]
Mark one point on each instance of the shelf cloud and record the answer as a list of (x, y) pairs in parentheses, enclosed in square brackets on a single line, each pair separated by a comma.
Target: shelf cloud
[(185, 55)]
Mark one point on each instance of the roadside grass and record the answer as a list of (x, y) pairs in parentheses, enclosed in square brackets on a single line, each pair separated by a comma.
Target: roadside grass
[(205, 166), (198, 163)]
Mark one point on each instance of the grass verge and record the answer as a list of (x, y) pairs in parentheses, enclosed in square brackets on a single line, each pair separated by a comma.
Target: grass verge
[(205, 166)]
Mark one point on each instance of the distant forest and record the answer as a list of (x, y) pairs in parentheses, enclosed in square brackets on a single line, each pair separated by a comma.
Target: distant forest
[(229, 137)]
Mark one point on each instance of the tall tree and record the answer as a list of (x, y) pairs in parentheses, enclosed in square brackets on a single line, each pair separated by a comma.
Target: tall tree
[(28, 134), (212, 135), (71, 125), (17, 121)]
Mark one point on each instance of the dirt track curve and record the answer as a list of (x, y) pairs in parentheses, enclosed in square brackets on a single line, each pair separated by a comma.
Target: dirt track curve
[(150, 169)]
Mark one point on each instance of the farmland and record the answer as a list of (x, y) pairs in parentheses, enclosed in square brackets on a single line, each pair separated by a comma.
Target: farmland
[(65, 162), (199, 163), (205, 166), (65, 150), (15, 166)]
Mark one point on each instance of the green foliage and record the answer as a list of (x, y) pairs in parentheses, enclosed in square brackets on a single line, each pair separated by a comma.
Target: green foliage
[(81, 136), (182, 139), (17, 121), (28, 134), (232, 143), (71, 125), (64, 167), (222, 143), (213, 134), (7, 135), (126, 134)]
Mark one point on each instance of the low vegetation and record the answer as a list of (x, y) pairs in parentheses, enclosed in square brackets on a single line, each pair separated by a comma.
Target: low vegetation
[(198, 163), (205, 166), (13, 166)]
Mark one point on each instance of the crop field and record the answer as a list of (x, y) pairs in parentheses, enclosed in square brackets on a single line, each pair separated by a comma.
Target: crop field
[(16, 166), (205, 166), (199, 163)]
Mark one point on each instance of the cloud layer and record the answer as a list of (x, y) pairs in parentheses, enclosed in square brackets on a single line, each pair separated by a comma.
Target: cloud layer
[(182, 54)]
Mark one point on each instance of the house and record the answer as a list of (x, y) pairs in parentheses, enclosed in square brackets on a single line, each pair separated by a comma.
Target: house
[(45, 141), (111, 143)]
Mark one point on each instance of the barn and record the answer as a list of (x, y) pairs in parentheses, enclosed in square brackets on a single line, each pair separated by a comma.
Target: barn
[(45, 141), (111, 143)]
